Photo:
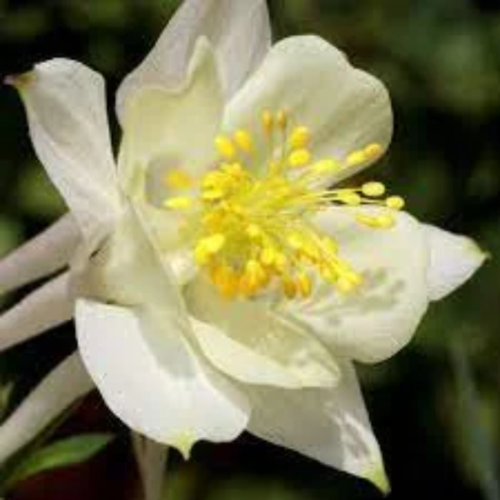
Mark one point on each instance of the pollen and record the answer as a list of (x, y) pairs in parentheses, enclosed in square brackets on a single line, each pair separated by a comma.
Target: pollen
[(251, 217), (178, 179)]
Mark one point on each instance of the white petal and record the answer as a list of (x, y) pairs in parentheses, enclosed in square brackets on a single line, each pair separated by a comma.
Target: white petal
[(247, 341), (152, 380), (56, 393), (172, 129), (329, 425), (152, 459), (41, 256), (66, 107), (239, 31), (49, 306), (344, 108), (377, 320), (453, 261), (139, 355)]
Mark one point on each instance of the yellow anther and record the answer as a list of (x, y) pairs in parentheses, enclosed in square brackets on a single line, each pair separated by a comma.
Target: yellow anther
[(289, 288), (304, 285), (254, 278), (177, 179), (208, 247), (357, 158), (282, 119), (296, 241), (344, 285), (386, 221), (373, 189), (233, 169), (225, 147), (213, 194), (326, 167), (267, 121), (268, 256), (299, 138), (395, 202), (350, 198), (299, 158), (280, 262), (179, 203), (373, 151), (244, 141), (254, 231)]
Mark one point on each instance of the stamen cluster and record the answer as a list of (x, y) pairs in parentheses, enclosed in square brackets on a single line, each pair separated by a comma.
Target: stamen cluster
[(254, 231)]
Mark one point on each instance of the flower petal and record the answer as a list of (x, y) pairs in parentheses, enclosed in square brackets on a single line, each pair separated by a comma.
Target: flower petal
[(377, 320), (239, 31), (67, 383), (247, 341), (172, 129), (329, 425), (49, 306), (65, 103), (453, 261), (344, 108), (43, 255), (156, 384)]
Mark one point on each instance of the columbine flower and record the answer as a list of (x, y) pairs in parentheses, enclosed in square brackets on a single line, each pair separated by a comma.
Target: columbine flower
[(218, 289)]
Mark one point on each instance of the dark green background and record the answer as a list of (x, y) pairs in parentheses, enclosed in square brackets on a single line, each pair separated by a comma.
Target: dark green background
[(436, 406)]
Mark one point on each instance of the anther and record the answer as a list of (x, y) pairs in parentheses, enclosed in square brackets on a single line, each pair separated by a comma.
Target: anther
[(244, 141), (300, 137), (267, 121), (395, 202), (225, 147), (299, 158), (373, 189), (179, 203)]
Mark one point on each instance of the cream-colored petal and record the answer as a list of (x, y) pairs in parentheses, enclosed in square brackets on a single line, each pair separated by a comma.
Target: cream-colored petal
[(67, 383), (329, 425), (453, 261), (49, 306), (344, 108), (66, 108), (239, 31), (172, 129), (43, 255), (377, 320), (150, 377), (247, 341), (156, 384)]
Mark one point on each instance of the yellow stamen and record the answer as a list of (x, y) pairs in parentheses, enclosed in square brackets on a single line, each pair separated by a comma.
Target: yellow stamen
[(282, 119), (179, 203), (299, 158), (244, 141), (178, 179), (373, 189), (395, 202), (253, 224), (225, 147), (300, 137), (267, 122)]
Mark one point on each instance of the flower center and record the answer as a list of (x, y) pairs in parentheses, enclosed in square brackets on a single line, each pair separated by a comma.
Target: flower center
[(253, 228)]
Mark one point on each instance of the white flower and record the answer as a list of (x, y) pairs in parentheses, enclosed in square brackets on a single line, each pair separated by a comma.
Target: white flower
[(221, 292)]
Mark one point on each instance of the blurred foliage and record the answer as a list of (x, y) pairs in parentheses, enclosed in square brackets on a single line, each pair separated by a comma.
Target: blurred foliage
[(63, 453), (441, 61)]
